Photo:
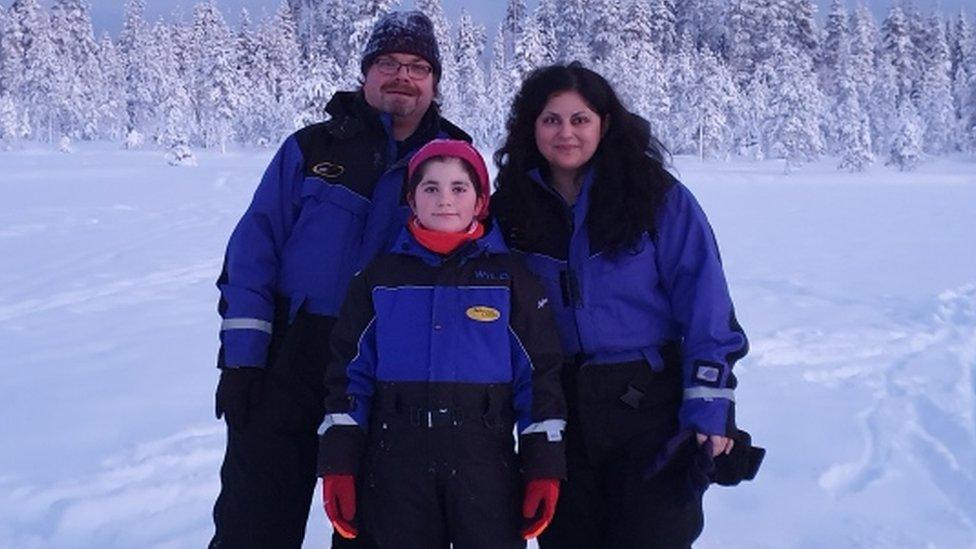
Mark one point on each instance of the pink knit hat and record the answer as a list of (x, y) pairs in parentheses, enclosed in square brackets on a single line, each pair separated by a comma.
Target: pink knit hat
[(456, 149)]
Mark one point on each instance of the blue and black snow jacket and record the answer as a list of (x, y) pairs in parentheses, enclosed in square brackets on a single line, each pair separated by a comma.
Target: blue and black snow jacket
[(625, 306), (450, 333), (329, 202)]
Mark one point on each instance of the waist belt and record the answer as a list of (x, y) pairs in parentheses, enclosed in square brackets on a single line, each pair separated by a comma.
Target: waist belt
[(437, 418)]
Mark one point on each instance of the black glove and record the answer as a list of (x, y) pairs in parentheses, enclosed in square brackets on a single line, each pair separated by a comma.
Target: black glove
[(741, 464), (238, 390)]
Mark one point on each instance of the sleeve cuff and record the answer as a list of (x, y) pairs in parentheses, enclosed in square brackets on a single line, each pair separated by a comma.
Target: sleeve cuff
[(541, 458), (244, 348), (340, 450), (707, 415)]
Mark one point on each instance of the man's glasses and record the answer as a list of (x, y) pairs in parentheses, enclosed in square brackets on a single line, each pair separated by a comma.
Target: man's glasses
[(390, 67)]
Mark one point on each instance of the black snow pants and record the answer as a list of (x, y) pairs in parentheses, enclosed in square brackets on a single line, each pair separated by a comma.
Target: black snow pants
[(606, 502), (268, 475), (441, 473)]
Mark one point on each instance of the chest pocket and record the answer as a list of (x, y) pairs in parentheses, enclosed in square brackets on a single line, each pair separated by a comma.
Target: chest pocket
[(327, 235), (622, 293)]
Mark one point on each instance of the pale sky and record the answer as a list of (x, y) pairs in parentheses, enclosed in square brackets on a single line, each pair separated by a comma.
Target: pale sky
[(107, 15)]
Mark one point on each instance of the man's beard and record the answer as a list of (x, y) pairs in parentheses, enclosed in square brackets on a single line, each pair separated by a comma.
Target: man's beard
[(399, 105)]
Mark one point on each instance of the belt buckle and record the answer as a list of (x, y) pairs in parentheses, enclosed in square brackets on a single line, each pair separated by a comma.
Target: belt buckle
[(443, 417)]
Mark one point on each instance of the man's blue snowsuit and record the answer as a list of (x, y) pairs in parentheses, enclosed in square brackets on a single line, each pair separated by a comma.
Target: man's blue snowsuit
[(329, 202)]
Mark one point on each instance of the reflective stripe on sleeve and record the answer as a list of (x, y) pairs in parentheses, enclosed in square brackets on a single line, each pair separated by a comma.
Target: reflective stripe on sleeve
[(245, 324), (553, 428), (709, 393), (335, 419)]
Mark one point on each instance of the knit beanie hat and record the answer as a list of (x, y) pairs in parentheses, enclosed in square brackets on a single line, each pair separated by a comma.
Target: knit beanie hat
[(403, 32), (457, 149)]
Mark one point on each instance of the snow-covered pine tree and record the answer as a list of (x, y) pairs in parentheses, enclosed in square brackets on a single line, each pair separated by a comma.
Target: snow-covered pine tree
[(308, 15), (850, 130), (247, 61), (643, 81), (499, 90), (29, 26), (214, 88), (450, 99), (796, 107), (513, 25), (3, 31), (530, 52), (747, 27), (8, 108), (9, 125), (935, 102), (905, 150), (472, 112), (863, 41), (712, 98), (605, 17), (110, 101), (336, 22), (680, 129), (547, 21), (280, 40), (361, 20), (835, 32), (663, 29), (802, 30), (883, 107), (702, 20), (962, 52), (175, 108), (134, 42), (898, 51), (319, 75), (79, 78), (8, 86), (572, 31)]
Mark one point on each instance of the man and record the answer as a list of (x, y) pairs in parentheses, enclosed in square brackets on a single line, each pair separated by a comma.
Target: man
[(328, 203)]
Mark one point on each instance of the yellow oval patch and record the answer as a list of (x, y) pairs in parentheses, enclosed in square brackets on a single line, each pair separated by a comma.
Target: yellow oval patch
[(483, 314)]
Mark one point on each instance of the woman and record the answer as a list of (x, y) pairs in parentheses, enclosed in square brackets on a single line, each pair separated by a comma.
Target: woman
[(632, 270)]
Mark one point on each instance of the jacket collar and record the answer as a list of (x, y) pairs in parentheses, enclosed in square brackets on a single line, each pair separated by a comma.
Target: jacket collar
[(491, 243), (582, 201)]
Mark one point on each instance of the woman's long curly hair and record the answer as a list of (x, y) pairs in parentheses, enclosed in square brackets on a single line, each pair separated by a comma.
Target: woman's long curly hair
[(631, 181)]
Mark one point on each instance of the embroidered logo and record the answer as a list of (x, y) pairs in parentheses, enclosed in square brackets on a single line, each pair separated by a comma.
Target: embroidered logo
[(328, 170), (542, 302), (488, 275), (483, 313), (707, 374)]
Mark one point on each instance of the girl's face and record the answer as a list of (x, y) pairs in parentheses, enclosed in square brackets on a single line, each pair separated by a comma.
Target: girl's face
[(567, 132), (446, 199)]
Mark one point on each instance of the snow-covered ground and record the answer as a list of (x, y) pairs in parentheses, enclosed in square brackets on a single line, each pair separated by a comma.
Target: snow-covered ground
[(858, 293)]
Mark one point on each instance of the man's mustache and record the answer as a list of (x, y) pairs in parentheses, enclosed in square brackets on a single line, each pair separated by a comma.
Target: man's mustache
[(400, 88)]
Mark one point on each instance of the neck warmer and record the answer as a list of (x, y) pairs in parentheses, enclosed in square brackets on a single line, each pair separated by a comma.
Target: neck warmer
[(441, 242)]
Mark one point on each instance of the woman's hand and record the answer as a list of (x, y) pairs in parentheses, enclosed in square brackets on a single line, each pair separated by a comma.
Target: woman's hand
[(720, 444)]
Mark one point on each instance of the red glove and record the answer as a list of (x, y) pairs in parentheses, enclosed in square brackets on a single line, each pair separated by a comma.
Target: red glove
[(339, 496), (542, 492)]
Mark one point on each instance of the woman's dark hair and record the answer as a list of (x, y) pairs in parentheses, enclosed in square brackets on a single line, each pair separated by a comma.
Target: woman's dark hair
[(631, 181)]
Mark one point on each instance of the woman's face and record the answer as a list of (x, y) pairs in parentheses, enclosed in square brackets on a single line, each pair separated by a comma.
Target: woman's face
[(446, 199), (567, 132)]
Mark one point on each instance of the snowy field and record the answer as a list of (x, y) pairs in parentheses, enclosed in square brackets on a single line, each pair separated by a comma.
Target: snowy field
[(858, 293)]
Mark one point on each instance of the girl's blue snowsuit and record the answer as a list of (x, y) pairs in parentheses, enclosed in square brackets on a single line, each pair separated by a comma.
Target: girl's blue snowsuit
[(434, 360)]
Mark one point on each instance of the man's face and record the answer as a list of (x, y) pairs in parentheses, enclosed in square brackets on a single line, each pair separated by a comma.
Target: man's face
[(401, 93)]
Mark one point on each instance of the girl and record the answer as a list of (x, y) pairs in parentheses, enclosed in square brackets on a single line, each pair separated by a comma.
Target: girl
[(441, 346), (632, 271)]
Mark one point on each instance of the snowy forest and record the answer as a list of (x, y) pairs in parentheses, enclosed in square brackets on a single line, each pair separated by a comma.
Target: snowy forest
[(716, 78)]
